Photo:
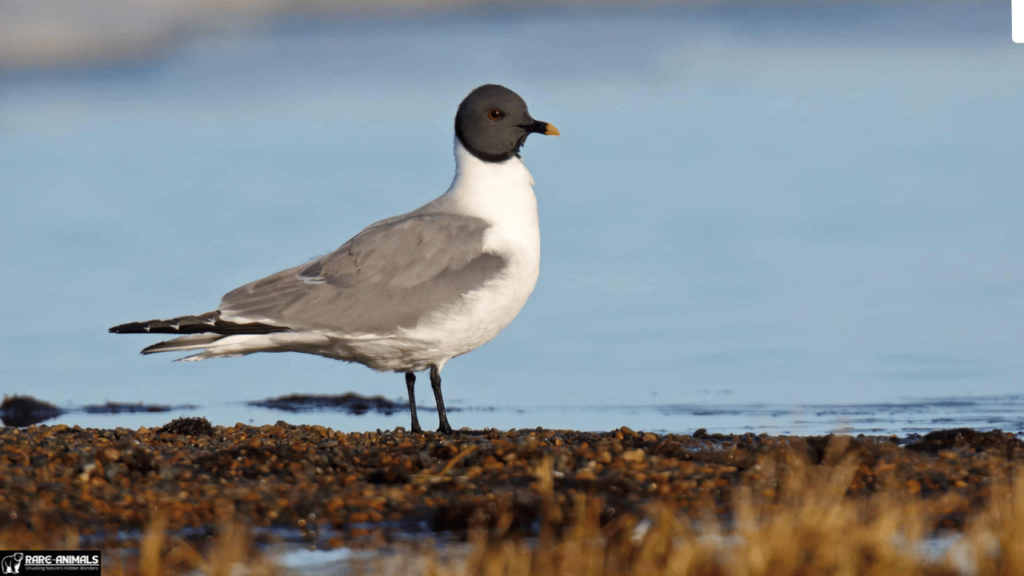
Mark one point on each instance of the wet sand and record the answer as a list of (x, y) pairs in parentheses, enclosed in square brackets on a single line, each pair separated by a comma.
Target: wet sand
[(343, 488)]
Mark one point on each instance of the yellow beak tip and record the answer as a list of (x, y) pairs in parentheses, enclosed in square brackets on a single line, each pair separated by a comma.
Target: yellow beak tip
[(552, 131)]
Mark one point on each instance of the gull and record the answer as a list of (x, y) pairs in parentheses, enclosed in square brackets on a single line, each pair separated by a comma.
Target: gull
[(410, 292)]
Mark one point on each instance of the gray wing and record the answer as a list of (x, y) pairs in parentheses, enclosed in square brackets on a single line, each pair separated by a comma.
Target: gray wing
[(388, 276)]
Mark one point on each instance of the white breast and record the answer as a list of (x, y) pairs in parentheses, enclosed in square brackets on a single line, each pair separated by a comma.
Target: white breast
[(502, 195)]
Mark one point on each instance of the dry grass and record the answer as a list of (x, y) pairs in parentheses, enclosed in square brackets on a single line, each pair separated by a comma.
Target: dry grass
[(809, 527), (812, 528), (161, 554)]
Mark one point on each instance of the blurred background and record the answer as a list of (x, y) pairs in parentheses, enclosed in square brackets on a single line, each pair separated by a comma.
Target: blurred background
[(769, 216)]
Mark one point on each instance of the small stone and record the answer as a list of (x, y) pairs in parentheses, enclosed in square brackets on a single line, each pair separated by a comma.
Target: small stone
[(913, 486), (634, 455)]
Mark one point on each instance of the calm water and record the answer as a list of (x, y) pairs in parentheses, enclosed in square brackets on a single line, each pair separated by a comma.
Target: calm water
[(808, 213)]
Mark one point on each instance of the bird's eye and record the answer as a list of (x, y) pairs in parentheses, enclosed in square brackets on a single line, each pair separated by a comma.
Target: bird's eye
[(496, 114)]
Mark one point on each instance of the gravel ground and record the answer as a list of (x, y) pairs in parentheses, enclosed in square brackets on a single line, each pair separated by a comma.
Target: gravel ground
[(368, 487)]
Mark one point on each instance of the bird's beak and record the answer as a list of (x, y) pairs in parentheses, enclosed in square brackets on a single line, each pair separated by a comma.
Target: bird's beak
[(538, 127)]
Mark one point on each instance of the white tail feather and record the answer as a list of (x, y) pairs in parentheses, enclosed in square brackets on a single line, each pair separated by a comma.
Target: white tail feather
[(220, 346)]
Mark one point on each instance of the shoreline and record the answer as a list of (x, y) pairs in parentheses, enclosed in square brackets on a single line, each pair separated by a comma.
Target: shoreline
[(340, 489)]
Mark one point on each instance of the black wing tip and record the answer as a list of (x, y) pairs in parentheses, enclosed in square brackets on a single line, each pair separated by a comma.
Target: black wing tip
[(128, 328), (201, 324)]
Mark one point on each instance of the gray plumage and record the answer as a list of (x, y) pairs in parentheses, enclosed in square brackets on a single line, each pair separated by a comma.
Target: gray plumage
[(388, 276)]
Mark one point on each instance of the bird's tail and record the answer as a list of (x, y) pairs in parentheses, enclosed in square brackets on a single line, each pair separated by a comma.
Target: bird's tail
[(200, 332), (190, 342)]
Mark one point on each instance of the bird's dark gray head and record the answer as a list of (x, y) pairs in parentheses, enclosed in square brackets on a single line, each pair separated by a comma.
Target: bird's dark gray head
[(493, 123)]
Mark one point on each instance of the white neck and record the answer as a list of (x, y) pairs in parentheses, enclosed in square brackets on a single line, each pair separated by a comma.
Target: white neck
[(499, 192)]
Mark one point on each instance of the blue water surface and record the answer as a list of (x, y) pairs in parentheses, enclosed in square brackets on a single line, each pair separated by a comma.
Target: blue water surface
[(779, 206)]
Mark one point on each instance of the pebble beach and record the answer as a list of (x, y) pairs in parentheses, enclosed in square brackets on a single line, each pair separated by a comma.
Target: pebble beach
[(350, 489)]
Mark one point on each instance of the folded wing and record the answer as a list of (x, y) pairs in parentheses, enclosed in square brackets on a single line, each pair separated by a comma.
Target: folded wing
[(390, 275)]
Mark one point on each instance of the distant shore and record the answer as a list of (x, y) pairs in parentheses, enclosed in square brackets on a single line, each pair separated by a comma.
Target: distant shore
[(64, 34), (70, 35), (347, 487)]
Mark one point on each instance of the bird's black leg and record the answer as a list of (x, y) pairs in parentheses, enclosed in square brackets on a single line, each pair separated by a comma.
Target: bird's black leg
[(410, 384), (442, 415)]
